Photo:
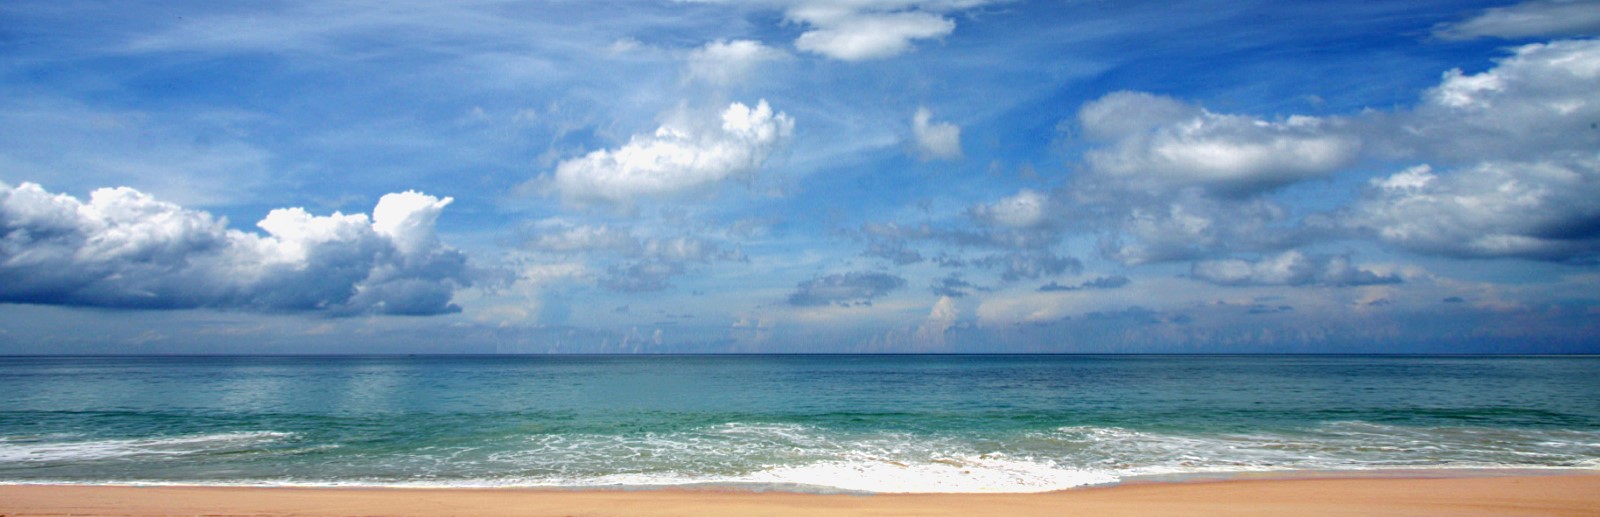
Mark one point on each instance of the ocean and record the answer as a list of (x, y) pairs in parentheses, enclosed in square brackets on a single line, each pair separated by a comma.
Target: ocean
[(826, 423)]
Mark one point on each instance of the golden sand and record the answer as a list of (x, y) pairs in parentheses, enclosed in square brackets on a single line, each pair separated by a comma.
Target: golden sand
[(1564, 494)]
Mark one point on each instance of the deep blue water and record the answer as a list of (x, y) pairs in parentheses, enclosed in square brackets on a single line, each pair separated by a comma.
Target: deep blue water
[(876, 423)]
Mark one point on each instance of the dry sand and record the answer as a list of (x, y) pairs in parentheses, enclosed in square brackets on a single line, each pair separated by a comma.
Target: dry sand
[(1564, 494)]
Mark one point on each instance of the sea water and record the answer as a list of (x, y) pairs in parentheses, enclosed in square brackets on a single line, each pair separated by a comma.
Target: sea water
[(796, 422)]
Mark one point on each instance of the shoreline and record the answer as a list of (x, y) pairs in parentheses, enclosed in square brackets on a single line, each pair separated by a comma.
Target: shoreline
[(1409, 492), (1409, 472)]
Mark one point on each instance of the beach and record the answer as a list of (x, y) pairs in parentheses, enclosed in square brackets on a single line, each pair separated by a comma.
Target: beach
[(1513, 494)]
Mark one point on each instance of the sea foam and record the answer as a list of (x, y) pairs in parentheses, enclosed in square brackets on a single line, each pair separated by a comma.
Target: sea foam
[(46, 449), (970, 474)]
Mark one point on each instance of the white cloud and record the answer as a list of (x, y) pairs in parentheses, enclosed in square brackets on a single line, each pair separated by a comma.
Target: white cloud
[(123, 248), (860, 36), (684, 249), (677, 157), (560, 236), (935, 140), (1288, 268), (1528, 19), (860, 30), (1168, 181), (1158, 143), (725, 62), (936, 332), (535, 275), (407, 220), (1188, 225), (1118, 115), (1539, 100), (1026, 209), (1542, 210), (1172, 181), (1517, 174)]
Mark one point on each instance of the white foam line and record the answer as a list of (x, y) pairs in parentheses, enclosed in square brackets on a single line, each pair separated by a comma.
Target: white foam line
[(643, 482), (26, 452)]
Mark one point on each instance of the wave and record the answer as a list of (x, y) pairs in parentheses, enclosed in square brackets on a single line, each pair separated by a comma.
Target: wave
[(64, 449), (799, 457), (1351, 445), (814, 458), (882, 461)]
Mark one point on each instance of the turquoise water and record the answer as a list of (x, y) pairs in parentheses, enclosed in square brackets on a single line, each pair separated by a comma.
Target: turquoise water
[(867, 423)]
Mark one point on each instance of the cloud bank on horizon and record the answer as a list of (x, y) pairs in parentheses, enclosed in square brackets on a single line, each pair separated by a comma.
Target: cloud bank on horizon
[(801, 176), (125, 249)]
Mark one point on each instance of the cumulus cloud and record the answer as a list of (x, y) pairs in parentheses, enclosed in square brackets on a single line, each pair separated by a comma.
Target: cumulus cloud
[(946, 317), (677, 157), (935, 140), (641, 277), (1013, 239), (1289, 268), (844, 289), (952, 286), (1018, 265), (125, 249), (893, 249), (1528, 19), (1026, 209), (724, 62), (1022, 252), (1158, 143), (1541, 210), (1511, 151), (1520, 173), (1539, 100), (1189, 225), (1168, 181)]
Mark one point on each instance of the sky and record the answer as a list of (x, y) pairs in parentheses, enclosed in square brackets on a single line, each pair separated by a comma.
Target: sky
[(798, 176)]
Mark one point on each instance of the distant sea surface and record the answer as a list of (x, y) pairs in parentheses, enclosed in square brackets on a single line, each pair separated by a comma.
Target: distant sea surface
[(810, 423)]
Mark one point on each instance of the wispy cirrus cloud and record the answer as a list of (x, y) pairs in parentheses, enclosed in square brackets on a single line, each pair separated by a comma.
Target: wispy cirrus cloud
[(724, 62), (853, 30), (1539, 18), (631, 263)]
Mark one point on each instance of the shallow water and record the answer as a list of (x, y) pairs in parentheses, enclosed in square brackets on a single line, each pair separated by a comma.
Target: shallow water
[(869, 423)]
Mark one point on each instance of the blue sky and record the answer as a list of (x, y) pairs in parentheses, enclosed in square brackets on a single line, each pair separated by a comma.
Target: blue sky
[(799, 176)]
